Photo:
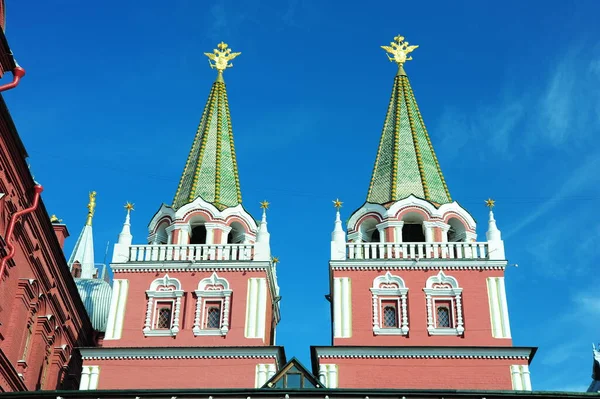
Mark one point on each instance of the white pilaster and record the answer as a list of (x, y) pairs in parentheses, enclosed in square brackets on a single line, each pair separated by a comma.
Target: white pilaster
[(521, 379), (256, 308), (84, 383), (342, 307), (116, 315), (328, 375)]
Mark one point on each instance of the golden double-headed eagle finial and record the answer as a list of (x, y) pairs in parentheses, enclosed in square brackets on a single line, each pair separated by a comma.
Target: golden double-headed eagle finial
[(91, 208), (399, 50), (220, 57)]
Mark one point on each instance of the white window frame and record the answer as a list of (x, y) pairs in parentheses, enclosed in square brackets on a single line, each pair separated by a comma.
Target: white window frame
[(398, 294), (155, 312), (161, 290), (444, 288), (212, 289)]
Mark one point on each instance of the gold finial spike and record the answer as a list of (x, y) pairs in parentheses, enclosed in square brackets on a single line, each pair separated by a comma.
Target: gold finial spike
[(221, 57), (337, 204), (264, 205), (490, 203), (399, 50), (91, 208), (275, 259), (129, 207), (54, 219)]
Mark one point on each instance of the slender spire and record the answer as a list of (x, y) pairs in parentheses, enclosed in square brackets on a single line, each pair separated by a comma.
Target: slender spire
[(492, 234), (406, 163), (338, 231), (125, 236), (211, 171), (83, 252), (263, 233)]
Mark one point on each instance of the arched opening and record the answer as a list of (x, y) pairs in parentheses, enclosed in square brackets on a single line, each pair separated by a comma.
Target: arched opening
[(198, 235), (237, 234), (369, 232), (412, 230), (161, 234), (457, 231)]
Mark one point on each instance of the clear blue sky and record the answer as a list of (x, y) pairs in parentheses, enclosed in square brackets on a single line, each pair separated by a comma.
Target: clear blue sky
[(509, 93)]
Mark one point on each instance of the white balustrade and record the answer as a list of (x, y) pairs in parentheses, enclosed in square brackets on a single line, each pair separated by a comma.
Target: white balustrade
[(420, 250), (190, 253)]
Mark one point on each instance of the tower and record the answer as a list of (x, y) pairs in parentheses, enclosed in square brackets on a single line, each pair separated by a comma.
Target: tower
[(197, 305), (417, 301)]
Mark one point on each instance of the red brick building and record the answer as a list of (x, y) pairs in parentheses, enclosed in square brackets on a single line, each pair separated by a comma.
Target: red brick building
[(42, 319)]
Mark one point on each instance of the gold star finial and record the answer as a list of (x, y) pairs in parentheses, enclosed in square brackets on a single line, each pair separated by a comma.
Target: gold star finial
[(91, 208), (490, 203), (399, 50), (275, 259), (129, 206), (337, 204), (264, 205), (221, 57)]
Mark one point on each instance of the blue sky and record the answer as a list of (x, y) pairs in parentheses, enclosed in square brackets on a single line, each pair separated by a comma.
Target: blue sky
[(509, 94)]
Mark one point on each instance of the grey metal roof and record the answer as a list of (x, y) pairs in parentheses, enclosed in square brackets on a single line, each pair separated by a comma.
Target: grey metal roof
[(95, 295)]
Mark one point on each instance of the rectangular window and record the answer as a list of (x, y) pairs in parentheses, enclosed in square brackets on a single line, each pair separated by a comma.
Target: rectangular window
[(212, 311), (389, 314), (444, 315), (27, 342), (163, 315)]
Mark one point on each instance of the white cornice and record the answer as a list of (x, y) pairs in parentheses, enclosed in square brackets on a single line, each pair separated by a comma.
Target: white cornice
[(181, 353), (423, 352), (149, 267), (423, 264)]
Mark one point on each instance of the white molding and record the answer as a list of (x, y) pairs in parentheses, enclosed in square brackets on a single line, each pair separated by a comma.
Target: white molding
[(148, 353), (424, 352), (412, 264), (185, 266)]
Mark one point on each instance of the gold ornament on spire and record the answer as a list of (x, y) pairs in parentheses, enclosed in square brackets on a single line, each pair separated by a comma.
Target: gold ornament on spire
[(129, 206), (55, 219), (264, 205), (490, 203), (337, 204), (275, 259), (91, 208), (399, 49), (221, 57)]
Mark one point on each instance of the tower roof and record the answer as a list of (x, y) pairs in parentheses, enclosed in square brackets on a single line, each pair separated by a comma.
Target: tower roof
[(406, 162), (83, 252), (211, 171)]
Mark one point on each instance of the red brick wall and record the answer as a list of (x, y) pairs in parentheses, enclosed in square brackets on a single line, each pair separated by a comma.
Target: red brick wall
[(135, 312), (179, 373), (425, 373), (476, 313), (36, 286)]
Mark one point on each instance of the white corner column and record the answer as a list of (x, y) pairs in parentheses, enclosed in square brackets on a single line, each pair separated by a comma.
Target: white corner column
[(116, 315), (342, 307), (498, 307), (264, 372), (256, 308), (89, 378), (520, 376), (328, 375)]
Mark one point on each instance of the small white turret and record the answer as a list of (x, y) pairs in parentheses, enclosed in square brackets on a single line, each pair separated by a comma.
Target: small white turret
[(121, 251), (494, 236), (338, 236), (263, 247)]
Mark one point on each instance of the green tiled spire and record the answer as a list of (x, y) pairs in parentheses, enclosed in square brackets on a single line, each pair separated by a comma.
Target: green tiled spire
[(406, 163), (211, 168)]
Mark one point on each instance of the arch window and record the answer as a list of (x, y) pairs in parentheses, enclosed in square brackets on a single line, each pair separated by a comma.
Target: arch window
[(389, 295), (164, 306), (444, 305), (198, 235), (213, 306)]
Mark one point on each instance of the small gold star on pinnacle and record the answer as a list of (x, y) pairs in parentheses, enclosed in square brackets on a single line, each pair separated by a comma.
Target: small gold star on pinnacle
[(275, 259), (337, 203), (129, 206), (490, 203), (264, 204)]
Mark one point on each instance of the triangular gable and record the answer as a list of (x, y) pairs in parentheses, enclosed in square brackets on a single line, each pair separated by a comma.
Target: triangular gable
[(293, 375)]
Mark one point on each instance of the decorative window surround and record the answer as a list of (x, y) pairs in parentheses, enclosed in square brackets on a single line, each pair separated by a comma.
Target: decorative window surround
[(521, 380), (89, 378), (264, 372), (389, 287), (328, 375), (161, 290), (423, 352), (212, 289), (442, 287)]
